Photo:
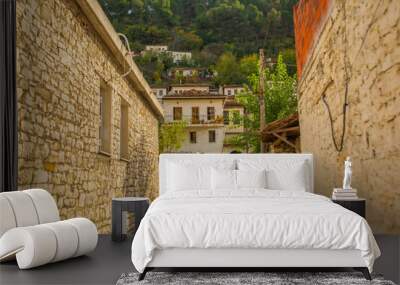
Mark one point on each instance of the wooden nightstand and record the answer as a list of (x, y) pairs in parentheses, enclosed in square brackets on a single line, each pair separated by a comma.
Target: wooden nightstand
[(355, 205)]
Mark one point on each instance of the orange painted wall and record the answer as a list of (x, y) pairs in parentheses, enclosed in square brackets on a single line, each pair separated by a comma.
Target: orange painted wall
[(308, 15)]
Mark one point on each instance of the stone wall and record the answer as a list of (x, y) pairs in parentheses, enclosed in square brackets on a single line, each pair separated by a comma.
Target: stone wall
[(61, 61), (373, 123)]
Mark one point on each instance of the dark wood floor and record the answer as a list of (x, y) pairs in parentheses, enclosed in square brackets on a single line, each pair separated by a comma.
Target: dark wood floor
[(110, 260), (102, 266)]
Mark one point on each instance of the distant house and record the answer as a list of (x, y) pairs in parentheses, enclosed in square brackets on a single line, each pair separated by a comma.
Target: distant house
[(156, 48), (203, 111), (233, 89), (159, 91), (185, 71), (213, 117), (181, 88), (189, 74), (179, 56)]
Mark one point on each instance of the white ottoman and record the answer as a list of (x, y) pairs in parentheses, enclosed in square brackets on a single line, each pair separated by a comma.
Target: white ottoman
[(31, 232)]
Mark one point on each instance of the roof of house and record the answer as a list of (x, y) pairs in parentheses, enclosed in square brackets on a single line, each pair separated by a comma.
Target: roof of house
[(159, 86), (231, 102), (106, 31), (177, 51), (156, 45), (191, 85), (191, 94), (288, 125), (233, 86), (188, 68)]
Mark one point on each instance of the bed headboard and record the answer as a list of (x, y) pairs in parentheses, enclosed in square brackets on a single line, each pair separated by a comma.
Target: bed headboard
[(166, 158)]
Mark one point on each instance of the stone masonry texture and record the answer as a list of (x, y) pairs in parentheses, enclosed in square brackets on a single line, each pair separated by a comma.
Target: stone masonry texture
[(372, 136), (61, 61)]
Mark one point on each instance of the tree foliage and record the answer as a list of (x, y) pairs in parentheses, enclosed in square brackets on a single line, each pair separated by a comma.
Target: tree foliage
[(208, 28), (171, 136), (280, 102), (231, 70)]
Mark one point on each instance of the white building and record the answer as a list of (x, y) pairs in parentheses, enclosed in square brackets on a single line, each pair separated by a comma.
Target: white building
[(156, 48), (185, 72), (159, 91), (181, 88), (178, 56), (231, 90), (203, 113)]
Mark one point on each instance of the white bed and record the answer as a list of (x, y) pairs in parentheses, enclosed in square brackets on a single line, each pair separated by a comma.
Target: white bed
[(248, 227)]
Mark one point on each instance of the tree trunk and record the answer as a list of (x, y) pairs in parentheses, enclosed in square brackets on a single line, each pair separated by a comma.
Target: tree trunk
[(261, 94)]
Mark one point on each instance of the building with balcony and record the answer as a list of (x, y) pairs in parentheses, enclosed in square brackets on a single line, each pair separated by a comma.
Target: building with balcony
[(203, 112), (233, 124)]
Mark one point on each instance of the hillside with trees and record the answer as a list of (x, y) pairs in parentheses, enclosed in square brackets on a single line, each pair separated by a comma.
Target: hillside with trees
[(223, 35)]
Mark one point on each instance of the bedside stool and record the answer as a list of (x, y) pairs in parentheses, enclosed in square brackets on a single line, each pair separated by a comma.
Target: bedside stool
[(356, 205), (137, 205)]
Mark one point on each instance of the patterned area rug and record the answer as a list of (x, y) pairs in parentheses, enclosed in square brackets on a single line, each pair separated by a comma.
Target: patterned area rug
[(243, 278)]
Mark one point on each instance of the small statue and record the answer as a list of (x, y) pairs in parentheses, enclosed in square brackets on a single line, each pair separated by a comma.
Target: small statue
[(347, 174)]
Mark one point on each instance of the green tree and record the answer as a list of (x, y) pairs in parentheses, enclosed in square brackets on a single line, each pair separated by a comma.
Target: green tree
[(171, 136), (280, 102), (185, 41), (208, 28), (228, 71), (248, 65), (154, 66)]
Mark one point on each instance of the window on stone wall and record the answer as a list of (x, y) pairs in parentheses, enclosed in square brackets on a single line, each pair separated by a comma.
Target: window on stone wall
[(195, 115), (177, 113), (211, 136), (124, 129), (210, 113), (193, 137), (105, 118)]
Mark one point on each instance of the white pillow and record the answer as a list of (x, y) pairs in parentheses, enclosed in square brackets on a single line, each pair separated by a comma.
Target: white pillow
[(218, 163), (223, 179), (292, 179), (183, 178), (175, 174), (251, 178), (282, 174)]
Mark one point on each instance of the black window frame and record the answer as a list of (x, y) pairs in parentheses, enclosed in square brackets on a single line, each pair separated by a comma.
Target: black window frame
[(193, 137), (212, 136), (210, 115)]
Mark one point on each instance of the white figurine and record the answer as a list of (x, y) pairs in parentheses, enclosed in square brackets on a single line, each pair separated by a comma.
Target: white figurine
[(347, 174)]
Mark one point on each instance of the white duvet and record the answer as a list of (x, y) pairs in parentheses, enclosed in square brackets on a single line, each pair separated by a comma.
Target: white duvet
[(254, 218)]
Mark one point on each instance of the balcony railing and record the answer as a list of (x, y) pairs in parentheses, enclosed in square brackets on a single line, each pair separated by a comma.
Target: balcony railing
[(197, 120)]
